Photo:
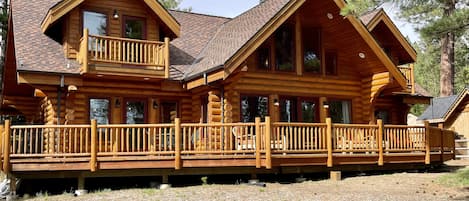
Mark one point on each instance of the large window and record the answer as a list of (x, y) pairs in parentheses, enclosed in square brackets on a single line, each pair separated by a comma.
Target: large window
[(99, 110), (331, 63), (95, 22), (312, 49), (284, 48), (339, 111), (264, 58), (298, 110), (135, 111), (254, 106)]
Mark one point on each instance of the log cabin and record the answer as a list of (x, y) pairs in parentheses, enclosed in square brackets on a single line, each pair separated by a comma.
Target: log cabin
[(126, 87)]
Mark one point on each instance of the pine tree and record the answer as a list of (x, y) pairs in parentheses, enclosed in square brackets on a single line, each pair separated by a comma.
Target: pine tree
[(441, 23), (173, 5)]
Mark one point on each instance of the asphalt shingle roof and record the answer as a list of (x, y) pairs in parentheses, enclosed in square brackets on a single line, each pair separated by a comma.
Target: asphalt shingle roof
[(438, 108), (234, 34), (36, 51)]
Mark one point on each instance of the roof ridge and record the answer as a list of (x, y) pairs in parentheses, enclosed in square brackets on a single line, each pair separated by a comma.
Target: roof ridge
[(201, 14)]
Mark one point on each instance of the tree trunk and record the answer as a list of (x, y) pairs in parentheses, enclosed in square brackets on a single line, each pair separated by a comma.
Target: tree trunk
[(447, 56)]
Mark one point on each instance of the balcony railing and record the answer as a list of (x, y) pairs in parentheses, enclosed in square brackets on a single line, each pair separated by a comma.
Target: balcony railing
[(408, 73), (122, 53), (259, 142)]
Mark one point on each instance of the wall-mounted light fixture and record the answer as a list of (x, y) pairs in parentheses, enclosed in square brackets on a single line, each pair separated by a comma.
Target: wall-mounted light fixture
[(276, 103), (115, 15), (325, 105), (155, 104), (330, 16), (117, 103)]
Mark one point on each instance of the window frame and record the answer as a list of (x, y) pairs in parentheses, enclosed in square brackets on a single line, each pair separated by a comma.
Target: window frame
[(124, 108), (109, 107), (321, 52), (145, 25), (252, 95), (105, 12), (291, 26), (341, 100), (298, 108)]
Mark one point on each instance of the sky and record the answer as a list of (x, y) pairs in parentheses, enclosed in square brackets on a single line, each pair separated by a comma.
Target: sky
[(232, 8)]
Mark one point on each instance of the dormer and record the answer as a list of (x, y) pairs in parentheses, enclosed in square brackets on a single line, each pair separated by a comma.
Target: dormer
[(125, 38)]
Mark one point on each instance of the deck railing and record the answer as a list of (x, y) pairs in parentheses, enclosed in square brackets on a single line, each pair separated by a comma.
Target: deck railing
[(259, 141), (149, 55)]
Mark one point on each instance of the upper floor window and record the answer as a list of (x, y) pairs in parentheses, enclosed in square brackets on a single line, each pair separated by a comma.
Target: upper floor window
[(312, 49), (264, 58), (95, 22), (285, 48), (331, 63), (134, 27)]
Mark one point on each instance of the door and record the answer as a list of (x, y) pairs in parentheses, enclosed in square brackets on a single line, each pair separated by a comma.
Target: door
[(135, 111)]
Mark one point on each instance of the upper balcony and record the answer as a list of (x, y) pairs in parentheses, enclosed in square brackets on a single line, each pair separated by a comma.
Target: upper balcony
[(408, 72), (123, 56)]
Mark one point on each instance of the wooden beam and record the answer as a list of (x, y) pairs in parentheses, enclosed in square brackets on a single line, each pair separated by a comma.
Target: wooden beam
[(212, 77), (299, 45), (47, 79)]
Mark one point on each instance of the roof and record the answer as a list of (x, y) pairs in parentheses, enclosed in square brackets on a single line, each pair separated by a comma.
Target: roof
[(368, 16), (196, 32), (442, 107), (234, 34), (31, 43)]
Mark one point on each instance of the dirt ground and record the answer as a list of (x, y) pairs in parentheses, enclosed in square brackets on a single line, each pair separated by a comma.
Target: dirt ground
[(391, 186)]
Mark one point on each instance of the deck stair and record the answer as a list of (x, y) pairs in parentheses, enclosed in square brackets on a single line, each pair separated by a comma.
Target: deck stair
[(462, 148)]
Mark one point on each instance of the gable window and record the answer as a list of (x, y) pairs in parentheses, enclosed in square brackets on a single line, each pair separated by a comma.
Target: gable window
[(95, 22), (312, 49), (284, 48), (254, 106), (331, 63), (264, 58), (340, 111), (99, 110)]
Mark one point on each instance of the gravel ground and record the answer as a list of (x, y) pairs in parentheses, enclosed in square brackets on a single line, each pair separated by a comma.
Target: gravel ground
[(396, 186)]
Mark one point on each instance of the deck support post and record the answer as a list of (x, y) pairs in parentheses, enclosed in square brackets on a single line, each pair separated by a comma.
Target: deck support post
[(427, 143), (165, 179), (330, 161), (6, 147), (13, 186), (336, 175), (258, 142), (94, 145), (268, 148), (81, 183), (380, 142), (177, 146)]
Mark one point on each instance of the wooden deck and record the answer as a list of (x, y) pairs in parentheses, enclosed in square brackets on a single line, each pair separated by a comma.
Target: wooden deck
[(182, 147)]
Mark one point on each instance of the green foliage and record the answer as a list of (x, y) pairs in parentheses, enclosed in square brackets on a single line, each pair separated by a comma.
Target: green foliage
[(174, 5), (457, 179)]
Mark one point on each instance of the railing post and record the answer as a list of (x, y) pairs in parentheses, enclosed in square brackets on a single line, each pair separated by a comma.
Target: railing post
[(268, 148), (177, 146), (85, 53), (330, 161), (427, 143), (94, 145), (166, 56), (2, 144), (380, 142), (6, 148), (258, 142), (412, 78)]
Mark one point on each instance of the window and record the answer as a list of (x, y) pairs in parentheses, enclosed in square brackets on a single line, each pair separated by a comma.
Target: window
[(99, 110), (288, 110), (284, 48), (383, 115), (264, 58), (312, 49), (298, 110), (331, 63), (95, 22), (135, 111), (340, 111), (309, 111), (169, 111), (254, 106), (134, 28)]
